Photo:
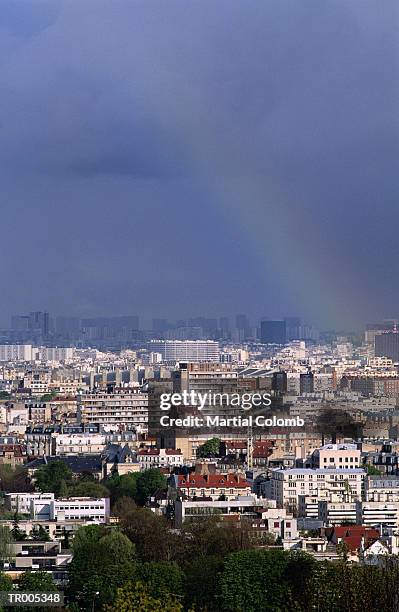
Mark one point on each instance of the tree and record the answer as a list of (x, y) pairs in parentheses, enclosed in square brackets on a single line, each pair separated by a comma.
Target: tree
[(134, 597), (37, 581), (63, 490), (5, 582), (103, 560), (268, 538), (342, 551), (150, 534), (162, 579), (202, 577), (49, 477), (372, 471), (211, 448), (85, 536), (65, 539), (48, 397), (253, 581), (122, 486), (88, 489), (148, 482), (16, 533), (14, 481), (6, 546), (40, 534), (299, 574), (210, 537)]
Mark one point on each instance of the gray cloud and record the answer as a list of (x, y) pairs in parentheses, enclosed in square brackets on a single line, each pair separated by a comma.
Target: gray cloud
[(200, 157)]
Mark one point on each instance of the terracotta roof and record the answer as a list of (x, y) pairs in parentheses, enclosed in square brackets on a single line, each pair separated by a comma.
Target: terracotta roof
[(352, 536), (212, 480)]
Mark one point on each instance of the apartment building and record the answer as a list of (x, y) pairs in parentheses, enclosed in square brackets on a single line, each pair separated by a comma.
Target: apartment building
[(287, 485), (79, 443), (80, 509), (382, 489), (125, 407), (55, 353), (158, 458), (376, 514), (336, 456), (186, 350), (280, 523), (215, 486), (336, 513), (24, 503), (15, 352), (39, 556), (197, 510), (44, 507)]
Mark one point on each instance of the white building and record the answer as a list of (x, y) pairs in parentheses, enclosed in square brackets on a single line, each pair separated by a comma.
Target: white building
[(336, 456), (15, 352), (14, 414), (43, 507), (79, 444), (22, 502), (54, 353), (336, 513), (308, 506), (382, 489), (186, 350), (374, 514), (124, 406), (187, 509), (163, 457), (280, 523), (81, 509), (288, 485)]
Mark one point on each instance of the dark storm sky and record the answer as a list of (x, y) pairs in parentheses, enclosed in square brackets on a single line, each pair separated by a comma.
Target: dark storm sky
[(197, 157)]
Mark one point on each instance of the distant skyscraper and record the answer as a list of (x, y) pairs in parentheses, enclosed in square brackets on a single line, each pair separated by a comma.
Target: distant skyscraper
[(242, 327), (224, 326), (39, 321), (273, 332), (159, 325), (387, 345), (294, 331)]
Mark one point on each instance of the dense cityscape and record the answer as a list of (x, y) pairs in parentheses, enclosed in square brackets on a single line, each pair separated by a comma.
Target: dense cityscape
[(199, 314), (85, 466)]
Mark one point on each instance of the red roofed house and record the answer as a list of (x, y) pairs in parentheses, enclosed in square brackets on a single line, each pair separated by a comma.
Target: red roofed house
[(212, 486), (359, 542)]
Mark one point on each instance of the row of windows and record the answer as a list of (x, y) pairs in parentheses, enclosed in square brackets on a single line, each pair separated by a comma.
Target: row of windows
[(220, 491), (347, 459), (80, 507)]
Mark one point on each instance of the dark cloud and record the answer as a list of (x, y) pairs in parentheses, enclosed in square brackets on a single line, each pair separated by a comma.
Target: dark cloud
[(200, 157)]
